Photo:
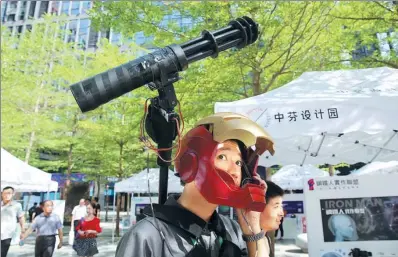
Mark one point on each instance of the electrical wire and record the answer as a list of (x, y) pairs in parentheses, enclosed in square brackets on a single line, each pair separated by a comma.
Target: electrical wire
[(148, 143)]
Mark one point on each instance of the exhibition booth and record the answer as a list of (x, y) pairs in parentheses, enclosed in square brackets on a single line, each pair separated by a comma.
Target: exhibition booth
[(333, 117)]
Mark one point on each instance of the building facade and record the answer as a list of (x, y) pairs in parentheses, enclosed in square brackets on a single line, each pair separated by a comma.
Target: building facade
[(19, 16)]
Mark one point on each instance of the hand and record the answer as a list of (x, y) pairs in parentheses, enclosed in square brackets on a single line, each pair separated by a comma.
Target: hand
[(249, 221), (262, 182), (81, 232), (59, 245), (22, 236)]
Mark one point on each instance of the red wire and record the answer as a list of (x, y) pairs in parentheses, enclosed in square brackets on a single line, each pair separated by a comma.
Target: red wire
[(148, 142)]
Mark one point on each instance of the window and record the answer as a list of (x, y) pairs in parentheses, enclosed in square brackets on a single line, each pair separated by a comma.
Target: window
[(11, 17), (115, 38), (75, 8), (19, 29), (22, 11), (43, 8), (86, 6), (32, 9), (55, 7), (83, 32), (105, 34), (72, 31), (3, 10), (65, 7), (93, 38)]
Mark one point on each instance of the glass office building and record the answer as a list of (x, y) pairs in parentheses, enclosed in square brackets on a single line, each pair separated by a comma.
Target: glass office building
[(19, 16)]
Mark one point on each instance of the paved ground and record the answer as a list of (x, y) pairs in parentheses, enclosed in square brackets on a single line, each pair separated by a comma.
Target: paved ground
[(284, 248)]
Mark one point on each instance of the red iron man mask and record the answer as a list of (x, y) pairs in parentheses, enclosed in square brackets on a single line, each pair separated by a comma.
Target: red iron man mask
[(197, 154)]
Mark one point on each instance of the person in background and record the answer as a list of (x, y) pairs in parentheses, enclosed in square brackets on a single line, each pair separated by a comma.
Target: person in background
[(272, 215), (38, 211), (97, 207), (87, 229), (79, 211), (47, 225), (281, 226), (10, 211), (31, 211)]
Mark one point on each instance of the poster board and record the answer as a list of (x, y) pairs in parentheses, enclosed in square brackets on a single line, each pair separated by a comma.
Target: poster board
[(59, 209), (343, 213)]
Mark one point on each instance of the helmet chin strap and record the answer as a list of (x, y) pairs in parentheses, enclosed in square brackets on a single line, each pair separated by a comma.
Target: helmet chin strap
[(252, 157)]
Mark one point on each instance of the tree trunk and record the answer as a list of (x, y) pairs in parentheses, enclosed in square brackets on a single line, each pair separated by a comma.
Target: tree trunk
[(70, 159), (30, 146), (331, 170), (33, 133), (68, 172), (117, 231), (106, 205), (256, 82), (121, 144), (128, 203), (98, 187)]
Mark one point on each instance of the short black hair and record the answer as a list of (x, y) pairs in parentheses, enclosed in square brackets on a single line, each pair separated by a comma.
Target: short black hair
[(8, 187), (96, 199), (44, 202), (273, 190), (35, 204)]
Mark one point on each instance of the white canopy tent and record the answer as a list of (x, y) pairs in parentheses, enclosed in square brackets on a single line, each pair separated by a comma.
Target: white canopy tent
[(291, 177), (328, 117), (377, 168), (138, 183), (23, 177)]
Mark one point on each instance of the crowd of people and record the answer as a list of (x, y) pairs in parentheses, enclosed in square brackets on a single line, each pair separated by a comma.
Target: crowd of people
[(48, 225)]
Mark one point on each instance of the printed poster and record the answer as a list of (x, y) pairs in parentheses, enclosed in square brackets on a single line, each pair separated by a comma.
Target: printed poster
[(360, 219)]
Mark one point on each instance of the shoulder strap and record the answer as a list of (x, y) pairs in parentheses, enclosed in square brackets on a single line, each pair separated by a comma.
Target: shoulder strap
[(269, 246)]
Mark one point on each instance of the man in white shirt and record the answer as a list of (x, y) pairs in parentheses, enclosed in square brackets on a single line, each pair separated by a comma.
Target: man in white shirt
[(79, 211), (11, 211)]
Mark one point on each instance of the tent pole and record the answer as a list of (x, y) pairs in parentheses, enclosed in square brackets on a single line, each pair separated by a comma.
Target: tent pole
[(113, 217), (306, 152), (395, 132), (320, 144), (48, 192)]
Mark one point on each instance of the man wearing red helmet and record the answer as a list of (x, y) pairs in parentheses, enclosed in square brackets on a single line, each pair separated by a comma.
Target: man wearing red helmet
[(217, 162)]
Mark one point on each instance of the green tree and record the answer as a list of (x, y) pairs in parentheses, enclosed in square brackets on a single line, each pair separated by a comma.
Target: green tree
[(29, 92), (372, 26), (286, 47)]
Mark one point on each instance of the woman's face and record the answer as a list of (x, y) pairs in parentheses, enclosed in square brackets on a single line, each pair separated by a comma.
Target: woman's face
[(90, 209), (229, 159)]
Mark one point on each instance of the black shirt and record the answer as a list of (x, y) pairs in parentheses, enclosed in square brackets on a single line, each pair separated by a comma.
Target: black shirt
[(38, 211), (177, 232)]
